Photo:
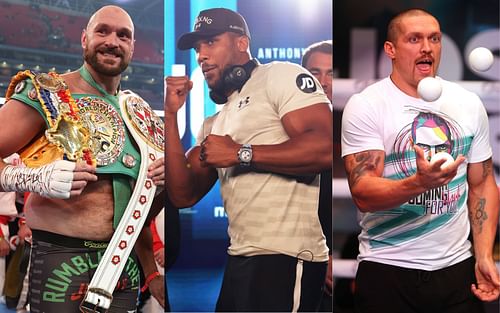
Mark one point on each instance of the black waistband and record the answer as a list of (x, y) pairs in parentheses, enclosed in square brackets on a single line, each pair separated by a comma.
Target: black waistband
[(65, 241)]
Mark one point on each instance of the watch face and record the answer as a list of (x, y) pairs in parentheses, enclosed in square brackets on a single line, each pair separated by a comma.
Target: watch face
[(246, 156)]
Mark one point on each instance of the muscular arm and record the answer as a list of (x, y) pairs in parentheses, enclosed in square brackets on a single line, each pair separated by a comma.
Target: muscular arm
[(309, 149), (483, 205), (186, 180), (371, 192)]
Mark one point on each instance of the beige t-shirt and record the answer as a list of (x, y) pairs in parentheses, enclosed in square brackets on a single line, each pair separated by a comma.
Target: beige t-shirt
[(269, 213)]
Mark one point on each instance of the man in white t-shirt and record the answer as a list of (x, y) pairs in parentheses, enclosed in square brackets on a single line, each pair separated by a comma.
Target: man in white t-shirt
[(415, 255), (266, 145)]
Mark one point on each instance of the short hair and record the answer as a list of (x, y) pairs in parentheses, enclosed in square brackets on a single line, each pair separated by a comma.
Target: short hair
[(325, 46), (393, 27)]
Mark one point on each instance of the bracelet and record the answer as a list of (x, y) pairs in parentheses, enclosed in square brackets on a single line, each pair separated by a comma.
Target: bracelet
[(149, 279)]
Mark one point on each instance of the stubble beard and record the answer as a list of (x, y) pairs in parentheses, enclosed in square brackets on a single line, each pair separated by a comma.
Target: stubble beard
[(219, 86)]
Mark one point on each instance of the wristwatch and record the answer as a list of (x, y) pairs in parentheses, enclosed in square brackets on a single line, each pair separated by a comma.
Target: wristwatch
[(245, 154)]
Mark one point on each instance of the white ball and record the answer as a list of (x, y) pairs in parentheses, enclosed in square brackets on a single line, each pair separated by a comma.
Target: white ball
[(440, 156), (481, 59), (429, 89)]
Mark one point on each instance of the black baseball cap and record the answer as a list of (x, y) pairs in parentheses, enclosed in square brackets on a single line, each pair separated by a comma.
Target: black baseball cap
[(213, 22)]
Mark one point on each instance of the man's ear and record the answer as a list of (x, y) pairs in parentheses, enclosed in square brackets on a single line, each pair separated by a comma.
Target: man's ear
[(243, 43), (390, 50), (83, 38)]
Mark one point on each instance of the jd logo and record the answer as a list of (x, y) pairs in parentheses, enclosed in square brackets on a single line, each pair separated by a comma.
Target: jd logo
[(305, 83)]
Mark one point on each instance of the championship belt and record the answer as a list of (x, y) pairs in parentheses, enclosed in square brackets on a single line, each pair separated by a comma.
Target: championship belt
[(106, 129), (65, 129), (147, 130)]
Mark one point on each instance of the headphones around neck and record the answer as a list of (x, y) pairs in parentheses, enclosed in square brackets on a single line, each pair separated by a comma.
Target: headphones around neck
[(233, 77)]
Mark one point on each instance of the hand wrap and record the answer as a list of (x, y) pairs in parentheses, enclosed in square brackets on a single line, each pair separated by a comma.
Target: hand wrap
[(51, 181)]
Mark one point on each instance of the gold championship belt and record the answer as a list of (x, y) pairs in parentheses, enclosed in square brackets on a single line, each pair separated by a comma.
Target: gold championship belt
[(66, 133), (148, 132), (105, 127)]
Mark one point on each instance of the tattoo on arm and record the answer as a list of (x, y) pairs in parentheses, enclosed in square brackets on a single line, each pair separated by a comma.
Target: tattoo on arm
[(478, 216), (364, 162), (487, 168)]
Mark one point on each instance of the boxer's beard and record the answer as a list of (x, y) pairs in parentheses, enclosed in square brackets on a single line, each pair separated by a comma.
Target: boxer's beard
[(220, 87), (91, 58)]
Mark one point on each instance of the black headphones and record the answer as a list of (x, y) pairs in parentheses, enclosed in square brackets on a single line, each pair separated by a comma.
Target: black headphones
[(233, 77)]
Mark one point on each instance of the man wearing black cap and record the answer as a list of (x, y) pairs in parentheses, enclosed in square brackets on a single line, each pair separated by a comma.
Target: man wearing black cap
[(266, 146)]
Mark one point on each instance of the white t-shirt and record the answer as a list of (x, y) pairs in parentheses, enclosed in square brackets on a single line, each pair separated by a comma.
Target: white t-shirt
[(269, 213), (430, 231)]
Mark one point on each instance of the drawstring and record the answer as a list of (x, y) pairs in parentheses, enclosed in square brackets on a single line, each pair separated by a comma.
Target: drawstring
[(298, 285)]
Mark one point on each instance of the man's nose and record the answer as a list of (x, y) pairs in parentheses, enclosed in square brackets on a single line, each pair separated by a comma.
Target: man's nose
[(201, 55), (426, 47), (112, 40), (323, 80)]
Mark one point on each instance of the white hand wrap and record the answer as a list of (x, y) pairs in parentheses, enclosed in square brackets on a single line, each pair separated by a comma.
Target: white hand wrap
[(51, 181)]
